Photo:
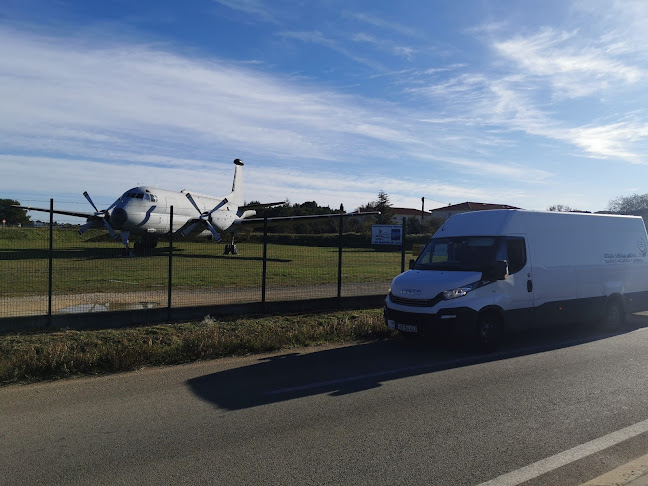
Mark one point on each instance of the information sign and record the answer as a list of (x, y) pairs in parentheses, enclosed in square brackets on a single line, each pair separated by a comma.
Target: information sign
[(386, 234)]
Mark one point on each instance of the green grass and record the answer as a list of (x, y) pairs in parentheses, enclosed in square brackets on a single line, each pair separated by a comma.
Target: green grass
[(89, 263), (29, 357)]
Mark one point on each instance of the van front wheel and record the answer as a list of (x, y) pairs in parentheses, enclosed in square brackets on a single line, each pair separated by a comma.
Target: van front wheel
[(489, 332)]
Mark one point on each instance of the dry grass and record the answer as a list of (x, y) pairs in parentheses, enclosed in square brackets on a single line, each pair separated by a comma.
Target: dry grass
[(29, 357)]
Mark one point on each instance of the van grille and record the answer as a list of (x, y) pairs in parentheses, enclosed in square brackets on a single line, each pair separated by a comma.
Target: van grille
[(416, 302)]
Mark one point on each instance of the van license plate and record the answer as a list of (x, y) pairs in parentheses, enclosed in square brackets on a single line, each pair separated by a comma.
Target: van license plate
[(406, 328)]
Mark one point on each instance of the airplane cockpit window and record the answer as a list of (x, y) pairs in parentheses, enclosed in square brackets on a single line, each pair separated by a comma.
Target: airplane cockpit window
[(136, 194)]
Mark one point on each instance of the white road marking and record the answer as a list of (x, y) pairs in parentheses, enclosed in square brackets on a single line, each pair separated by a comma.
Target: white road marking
[(567, 457)]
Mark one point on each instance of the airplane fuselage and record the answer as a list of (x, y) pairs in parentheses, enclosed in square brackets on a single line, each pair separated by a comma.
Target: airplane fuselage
[(147, 210)]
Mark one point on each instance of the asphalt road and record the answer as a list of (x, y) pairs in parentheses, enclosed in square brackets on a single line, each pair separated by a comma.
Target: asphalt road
[(560, 407)]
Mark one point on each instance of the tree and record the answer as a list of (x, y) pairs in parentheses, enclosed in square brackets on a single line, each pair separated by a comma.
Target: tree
[(636, 204), (383, 205), (12, 215), (561, 208)]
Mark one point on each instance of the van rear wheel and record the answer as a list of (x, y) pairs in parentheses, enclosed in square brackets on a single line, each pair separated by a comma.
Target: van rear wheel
[(615, 315), (488, 332)]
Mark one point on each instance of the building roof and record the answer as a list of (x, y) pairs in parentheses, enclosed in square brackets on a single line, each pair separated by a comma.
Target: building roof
[(408, 211), (472, 206)]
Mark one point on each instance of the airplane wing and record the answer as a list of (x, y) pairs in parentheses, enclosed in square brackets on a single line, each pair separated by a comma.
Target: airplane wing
[(281, 219), (261, 205), (57, 211)]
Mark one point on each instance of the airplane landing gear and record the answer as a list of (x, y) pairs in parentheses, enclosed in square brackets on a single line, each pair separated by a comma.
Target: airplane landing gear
[(231, 249), (127, 251), (147, 243)]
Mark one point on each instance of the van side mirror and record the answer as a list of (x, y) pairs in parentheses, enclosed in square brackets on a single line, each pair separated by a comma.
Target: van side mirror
[(411, 264), (499, 270)]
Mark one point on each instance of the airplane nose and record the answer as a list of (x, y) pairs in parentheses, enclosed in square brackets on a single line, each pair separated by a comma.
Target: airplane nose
[(118, 217)]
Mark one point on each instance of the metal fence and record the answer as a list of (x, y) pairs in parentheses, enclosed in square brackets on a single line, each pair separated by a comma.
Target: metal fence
[(53, 270)]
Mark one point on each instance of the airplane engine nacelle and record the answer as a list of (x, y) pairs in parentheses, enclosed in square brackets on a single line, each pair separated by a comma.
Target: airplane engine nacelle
[(248, 214)]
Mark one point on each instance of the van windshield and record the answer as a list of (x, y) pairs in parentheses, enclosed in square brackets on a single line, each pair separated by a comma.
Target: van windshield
[(465, 253)]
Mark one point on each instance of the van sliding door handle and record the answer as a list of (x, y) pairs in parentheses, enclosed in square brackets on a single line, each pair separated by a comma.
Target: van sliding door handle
[(529, 286)]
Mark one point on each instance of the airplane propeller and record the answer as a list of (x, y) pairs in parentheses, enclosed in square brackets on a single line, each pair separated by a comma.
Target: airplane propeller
[(98, 214), (205, 218)]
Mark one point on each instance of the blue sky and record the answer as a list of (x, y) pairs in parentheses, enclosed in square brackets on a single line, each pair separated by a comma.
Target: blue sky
[(516, 102)]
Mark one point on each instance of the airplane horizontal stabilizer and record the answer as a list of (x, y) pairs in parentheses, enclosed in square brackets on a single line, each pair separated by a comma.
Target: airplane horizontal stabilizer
[(261, 205)]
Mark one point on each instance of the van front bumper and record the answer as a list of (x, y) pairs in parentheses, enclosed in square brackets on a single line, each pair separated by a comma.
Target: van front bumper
[(460, 321)]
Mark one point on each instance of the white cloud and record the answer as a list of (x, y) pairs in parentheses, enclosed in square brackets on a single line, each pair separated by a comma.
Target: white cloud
[(66, 179), (131, 101), (611, 141), (383, 24), (533, 95), (572, 65), (252, 7), (70, 93), (385, 45), (316, 37)]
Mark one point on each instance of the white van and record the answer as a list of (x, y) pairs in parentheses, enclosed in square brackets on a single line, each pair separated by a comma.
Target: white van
[(488, 271)]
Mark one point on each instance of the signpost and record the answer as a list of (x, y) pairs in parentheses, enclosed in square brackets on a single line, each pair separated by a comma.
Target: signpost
[(387, 234)]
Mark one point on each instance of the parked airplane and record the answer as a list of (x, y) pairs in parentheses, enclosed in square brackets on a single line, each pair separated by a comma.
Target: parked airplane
[(145, 211)]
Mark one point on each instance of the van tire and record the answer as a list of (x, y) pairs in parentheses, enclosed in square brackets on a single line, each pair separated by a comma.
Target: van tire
[(488, 332), (614, 315)]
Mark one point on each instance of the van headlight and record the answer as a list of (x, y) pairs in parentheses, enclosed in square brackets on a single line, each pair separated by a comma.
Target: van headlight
[(460, 292)]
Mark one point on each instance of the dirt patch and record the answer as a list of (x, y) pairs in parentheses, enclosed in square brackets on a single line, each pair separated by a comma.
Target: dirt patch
[(36, 305)]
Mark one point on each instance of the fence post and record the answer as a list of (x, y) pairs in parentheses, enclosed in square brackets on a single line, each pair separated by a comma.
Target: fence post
[(170, 286), (51, 258), (265, 263), (403, 245), (339, 282)]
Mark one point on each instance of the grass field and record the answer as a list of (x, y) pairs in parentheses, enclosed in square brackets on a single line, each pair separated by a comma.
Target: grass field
[(89, 264)]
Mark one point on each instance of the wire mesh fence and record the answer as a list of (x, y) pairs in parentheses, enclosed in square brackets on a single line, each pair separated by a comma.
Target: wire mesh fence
[(300, 272), (366, 271), (91, 273), (202, 275), (24, 271)]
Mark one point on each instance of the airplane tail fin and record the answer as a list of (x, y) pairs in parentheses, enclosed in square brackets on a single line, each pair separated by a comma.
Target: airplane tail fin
[(237, 186)]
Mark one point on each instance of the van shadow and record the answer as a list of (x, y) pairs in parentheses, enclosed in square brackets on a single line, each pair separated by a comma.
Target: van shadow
[(355, 368)]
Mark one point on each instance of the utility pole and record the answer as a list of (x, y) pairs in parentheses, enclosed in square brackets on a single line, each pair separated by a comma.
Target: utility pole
[(422, 208)]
